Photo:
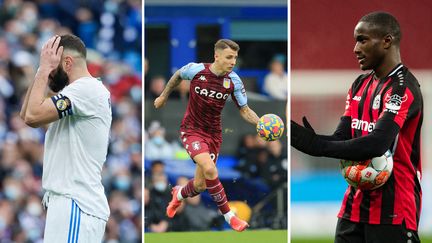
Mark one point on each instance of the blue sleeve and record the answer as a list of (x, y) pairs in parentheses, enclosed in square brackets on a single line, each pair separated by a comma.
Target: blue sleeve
[(189, 71), (239, 94)]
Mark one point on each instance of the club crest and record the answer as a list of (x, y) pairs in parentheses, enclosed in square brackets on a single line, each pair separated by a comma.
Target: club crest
[(196, 145), (226, 83)]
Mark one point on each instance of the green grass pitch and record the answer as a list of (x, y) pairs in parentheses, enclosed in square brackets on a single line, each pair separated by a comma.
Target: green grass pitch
[(248, 236)]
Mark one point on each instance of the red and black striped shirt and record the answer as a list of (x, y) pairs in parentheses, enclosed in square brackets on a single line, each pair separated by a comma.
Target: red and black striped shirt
[(395, 98)]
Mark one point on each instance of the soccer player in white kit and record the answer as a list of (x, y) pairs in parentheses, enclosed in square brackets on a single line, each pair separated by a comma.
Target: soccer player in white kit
[(76, 142)]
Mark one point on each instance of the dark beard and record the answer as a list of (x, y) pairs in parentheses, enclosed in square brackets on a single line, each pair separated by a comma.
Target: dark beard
[(58, 80)]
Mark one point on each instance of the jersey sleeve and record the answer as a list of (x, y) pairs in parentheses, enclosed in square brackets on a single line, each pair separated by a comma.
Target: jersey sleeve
[(189, 71), (239, 94), (399, 101), (82, 97)]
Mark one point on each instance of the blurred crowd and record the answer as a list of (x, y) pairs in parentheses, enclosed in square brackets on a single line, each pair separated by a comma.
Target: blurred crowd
[(111, 30)]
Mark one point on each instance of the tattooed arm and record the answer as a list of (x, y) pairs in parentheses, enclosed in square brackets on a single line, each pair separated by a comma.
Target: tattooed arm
[(249, 115), (174, 81)]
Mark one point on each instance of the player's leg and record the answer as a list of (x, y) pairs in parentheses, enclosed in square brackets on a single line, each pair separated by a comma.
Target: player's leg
[(193, 144), (194, 187), (349, 232), (62, 220), (390, 233), (91, 229), (217, 191)]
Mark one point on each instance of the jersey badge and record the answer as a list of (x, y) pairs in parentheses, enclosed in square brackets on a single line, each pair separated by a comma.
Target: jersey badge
[(226, 83), (376, 102), (196, 145), (202, 78), (62, 104)]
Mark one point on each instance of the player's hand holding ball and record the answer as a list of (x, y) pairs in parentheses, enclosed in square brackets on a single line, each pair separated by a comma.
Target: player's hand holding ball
[(270, 127)]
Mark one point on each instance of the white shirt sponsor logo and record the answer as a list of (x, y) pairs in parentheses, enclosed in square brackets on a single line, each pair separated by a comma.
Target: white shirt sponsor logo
[(202, 78), (211, 93), (362, 125), (357, 98)]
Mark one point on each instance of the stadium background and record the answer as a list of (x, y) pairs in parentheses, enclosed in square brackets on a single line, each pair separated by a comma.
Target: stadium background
[(179, 32), (111, 30), (323, 68)]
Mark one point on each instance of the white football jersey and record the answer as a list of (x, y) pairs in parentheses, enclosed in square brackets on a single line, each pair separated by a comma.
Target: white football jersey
[(76, 146)]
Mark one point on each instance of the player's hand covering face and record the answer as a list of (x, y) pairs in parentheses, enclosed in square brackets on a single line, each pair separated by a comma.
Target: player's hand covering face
[(50, 61), (51, 54)]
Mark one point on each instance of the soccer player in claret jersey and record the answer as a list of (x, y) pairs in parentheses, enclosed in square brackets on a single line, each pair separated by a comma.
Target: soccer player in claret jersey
[(389, 103), (201, 130)]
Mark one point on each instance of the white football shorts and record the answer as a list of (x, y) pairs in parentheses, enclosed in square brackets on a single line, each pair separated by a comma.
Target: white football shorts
[(65, 222)]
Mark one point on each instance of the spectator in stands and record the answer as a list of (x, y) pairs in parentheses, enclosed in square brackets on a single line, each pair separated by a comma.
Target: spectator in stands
[(157, 85), (274, 171), (251, 153), (276, 82), (197, 215), (157, 147), (156, 167), (160, 195), (154, 221), (182, 91)]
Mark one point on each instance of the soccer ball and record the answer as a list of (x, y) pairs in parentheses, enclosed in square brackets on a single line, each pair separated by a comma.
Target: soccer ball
[(270, 127), (369, 174)]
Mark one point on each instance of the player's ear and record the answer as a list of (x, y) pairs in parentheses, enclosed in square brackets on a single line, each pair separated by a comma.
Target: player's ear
[(388, 41), (67, 63)]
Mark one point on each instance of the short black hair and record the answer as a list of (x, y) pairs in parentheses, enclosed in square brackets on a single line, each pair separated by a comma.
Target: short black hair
[(157, 162), (74, 43), (384, 24)]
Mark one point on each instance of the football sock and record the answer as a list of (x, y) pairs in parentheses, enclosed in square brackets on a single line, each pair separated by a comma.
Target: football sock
[(228, 216), (187, 191), (217, 193)]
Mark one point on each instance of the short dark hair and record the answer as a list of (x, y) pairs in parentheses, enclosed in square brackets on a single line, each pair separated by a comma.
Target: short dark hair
[(384, 24), (74, 43), (226, 43), (157, 162)]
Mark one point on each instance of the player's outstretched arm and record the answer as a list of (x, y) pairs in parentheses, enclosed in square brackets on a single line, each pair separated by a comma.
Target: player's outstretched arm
[(372, 145), (343, 130), (174, 81), (39, 110), (249, 115)]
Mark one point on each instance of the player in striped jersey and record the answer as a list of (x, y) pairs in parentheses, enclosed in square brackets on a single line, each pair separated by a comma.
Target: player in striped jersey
[(384, 110), (76, 142), (201, 131)]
